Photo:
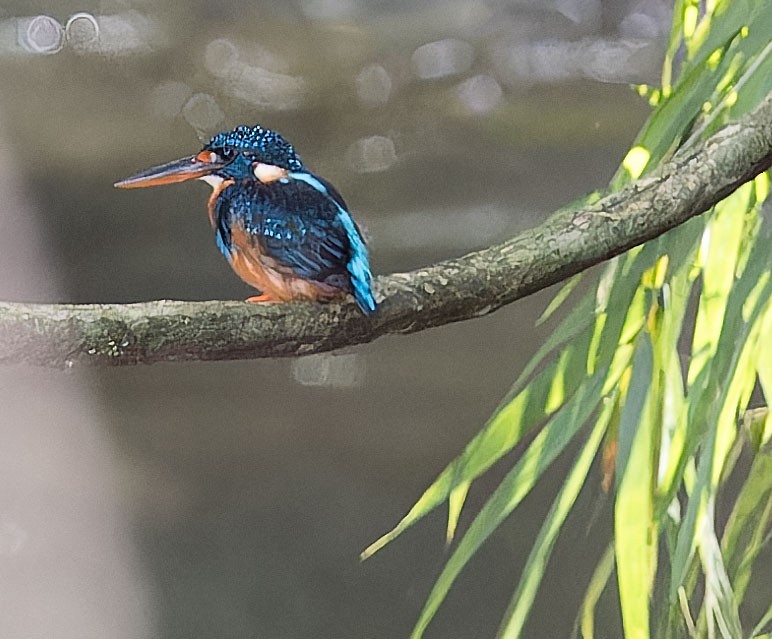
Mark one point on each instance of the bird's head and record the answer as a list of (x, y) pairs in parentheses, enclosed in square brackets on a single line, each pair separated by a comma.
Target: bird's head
[(246, 153)]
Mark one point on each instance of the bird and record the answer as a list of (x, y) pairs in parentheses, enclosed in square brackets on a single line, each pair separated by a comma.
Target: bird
[(284, 230)]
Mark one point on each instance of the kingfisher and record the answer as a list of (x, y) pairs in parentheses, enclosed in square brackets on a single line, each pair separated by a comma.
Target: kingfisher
[(284, 230)]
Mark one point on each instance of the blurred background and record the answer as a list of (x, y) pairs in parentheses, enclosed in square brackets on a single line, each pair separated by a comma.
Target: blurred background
[(231, 500)]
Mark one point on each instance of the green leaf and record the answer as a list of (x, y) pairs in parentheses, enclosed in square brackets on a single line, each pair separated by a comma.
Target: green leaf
[(561, 297), (750, 519), (765, 619), (765, 357), (570, 328), (518, 609), (721, 245), (598, 582), (742, 92), (720, 602), (635, 530), (755, 82), (527, 410), (699, 80), (455, 504), (623, 338), (715, 340), (675, 298), (547, 445), (504, 431), (709, 393)]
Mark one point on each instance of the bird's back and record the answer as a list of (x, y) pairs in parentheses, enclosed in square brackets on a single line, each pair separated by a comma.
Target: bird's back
[(302, 226)]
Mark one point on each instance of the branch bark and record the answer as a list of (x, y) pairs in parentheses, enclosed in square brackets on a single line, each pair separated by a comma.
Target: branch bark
[(60, 335)]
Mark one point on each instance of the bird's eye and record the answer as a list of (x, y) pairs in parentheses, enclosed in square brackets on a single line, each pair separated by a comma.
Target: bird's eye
[(207, 156), (228, 153)]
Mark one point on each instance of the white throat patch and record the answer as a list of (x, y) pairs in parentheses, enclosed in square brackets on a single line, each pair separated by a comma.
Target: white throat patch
[(212, 180)]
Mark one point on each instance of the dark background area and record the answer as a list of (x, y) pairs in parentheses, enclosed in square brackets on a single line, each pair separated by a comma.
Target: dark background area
[(232, 499)]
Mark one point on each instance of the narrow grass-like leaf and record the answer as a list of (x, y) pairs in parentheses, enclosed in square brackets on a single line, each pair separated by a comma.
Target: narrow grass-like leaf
[(755, 83), (520, 606), (674, 43), (721, 244), (623, 338), (673, 432), (744, 93), (749, 521), (560, 297), (504, 431), (739, 389), (710, 391), (547, 445), (697, 84), (720, 604), (598, 582), (765, 619), (710, 329), (635, 530), (578, 321), (635, 403), (528, 408), (455, 505), (703, 491), (765, 357)]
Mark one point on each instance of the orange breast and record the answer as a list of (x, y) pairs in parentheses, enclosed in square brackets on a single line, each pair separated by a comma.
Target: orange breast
[(270, 277)]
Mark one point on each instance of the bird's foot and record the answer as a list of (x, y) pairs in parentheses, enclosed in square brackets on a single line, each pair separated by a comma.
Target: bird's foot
[(262, 299)]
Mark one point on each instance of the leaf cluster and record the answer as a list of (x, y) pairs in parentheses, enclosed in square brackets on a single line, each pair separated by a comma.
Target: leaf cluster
[(652, 372)]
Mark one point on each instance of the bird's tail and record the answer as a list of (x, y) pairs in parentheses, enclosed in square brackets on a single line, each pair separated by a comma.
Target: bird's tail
[(359, 266), (363, 292)]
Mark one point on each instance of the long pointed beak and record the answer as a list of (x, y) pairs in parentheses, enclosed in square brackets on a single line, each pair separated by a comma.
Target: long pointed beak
[(188, 168)]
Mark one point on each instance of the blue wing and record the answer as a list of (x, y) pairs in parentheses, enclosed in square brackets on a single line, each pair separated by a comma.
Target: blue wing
[(303, 224)]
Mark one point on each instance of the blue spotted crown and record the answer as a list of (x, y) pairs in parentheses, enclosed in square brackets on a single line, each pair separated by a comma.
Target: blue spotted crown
[(268, 146)]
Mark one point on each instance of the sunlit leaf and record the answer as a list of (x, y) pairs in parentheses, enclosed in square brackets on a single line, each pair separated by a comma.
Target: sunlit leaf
[(547, 445), (765, 357), (720, 603), (750, 519), (530, 407), (675, 297), (706, 340), (710, 391), (505, 430), (576, 322), (678, 111), (561, 297), (455, 505), (765, 619), (721, 243), (518, 609), (635, 529), (600, 578), (673, 434)]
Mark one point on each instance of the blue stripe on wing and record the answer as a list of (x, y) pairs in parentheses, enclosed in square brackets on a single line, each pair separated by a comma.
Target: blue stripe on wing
[(222, 232), (358, 265), (224, 247)]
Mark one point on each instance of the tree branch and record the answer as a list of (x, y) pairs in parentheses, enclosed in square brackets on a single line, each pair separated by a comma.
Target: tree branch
[(476, 284)]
